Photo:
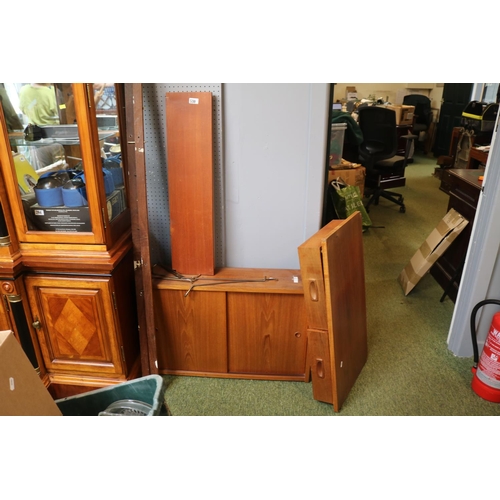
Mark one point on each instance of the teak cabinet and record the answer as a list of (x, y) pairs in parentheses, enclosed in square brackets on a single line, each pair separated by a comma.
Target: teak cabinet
[(272, 324), (64, 198), (237, 323)]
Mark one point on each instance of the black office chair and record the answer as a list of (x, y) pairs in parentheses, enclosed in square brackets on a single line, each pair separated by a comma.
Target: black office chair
[(423, 112), (378, 154)]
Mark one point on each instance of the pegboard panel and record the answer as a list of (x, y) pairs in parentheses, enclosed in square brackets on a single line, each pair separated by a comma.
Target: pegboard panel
[(156, 167)]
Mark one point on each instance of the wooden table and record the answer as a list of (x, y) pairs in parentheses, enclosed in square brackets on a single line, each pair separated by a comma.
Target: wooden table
[(464, 188), (477, 157)]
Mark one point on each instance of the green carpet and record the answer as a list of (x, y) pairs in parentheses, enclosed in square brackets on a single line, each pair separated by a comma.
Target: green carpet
[(409, 371)]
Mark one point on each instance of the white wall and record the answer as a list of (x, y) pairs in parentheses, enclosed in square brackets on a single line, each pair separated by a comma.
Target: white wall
[(274, 161)]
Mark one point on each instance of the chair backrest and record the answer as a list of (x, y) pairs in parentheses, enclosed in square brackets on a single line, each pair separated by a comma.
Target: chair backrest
[(380, 141), (422, 103)]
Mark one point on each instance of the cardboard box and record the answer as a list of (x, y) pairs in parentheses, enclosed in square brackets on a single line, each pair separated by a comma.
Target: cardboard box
[(433, 247), (73, 219), (351, 176), (351, 93), (404, 113), (22, 393)]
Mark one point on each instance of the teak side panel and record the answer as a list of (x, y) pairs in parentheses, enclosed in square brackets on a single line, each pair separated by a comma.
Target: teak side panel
[(343, 265), (190, 181), (191, 331), (267, 333)]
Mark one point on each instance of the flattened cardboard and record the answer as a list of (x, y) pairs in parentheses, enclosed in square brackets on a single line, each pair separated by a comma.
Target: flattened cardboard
[(441, 237), (22, 393)]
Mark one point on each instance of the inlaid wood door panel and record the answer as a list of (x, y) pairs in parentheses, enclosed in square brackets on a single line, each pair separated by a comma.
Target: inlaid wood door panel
[(267, 333), (75, 324)]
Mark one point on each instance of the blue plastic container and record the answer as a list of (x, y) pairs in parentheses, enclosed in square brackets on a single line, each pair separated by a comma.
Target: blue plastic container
[(109, 183), (74, 193), (48, 192)]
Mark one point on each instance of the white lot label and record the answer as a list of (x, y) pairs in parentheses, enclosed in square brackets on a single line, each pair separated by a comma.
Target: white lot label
[(193, 100)]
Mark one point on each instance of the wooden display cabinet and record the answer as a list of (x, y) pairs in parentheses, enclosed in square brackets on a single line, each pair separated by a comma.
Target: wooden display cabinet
[(65, 191)]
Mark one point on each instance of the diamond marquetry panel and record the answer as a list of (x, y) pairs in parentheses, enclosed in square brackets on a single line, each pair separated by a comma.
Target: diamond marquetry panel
[(75, 327), (77, 324)]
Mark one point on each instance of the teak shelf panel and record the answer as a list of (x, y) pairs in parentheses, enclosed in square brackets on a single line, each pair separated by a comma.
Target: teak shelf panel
[(190, 181)]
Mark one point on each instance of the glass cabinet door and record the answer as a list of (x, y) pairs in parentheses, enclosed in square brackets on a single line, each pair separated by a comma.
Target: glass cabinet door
[(65, 166)]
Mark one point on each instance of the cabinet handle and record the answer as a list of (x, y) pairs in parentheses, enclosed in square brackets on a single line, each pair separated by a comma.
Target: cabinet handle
[(37, 325), (313, 290), (319, 368)]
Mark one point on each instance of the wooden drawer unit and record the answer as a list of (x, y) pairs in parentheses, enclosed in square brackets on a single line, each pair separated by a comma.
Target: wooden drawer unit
[(332, 267), (464, 189), (463, 185)]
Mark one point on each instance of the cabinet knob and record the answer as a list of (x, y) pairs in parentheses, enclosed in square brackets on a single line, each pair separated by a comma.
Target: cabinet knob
[(37, 325)]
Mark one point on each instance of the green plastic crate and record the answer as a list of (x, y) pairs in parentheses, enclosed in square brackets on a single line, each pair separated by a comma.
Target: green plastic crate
[(149, 389)]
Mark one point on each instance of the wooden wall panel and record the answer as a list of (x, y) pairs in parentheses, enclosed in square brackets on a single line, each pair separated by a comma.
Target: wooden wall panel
[(190, 181)]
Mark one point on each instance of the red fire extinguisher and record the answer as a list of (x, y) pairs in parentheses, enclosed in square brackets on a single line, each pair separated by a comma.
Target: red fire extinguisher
[(486, 369)]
